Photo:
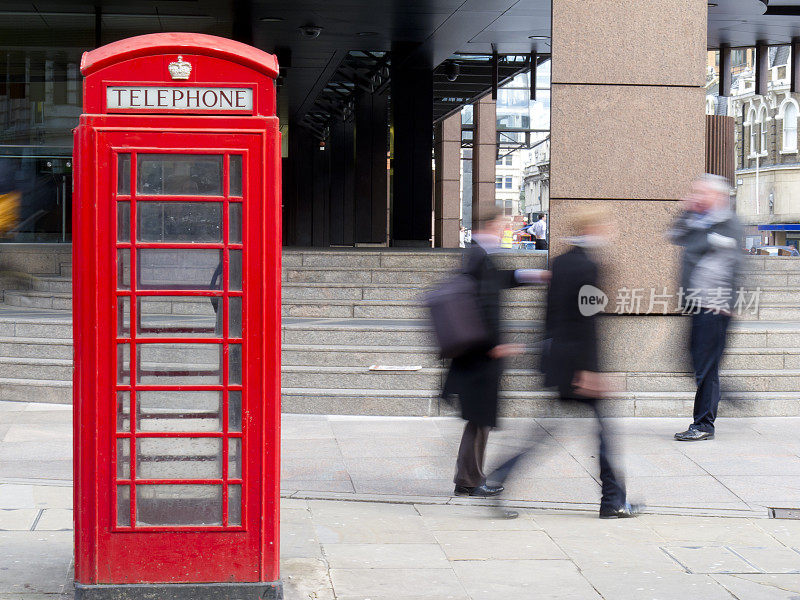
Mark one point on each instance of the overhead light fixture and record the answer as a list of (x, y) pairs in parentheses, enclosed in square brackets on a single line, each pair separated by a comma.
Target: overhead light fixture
[(452, 71), (271, 19), (712, 4), (367, 33), (538, 37), (310, 31)]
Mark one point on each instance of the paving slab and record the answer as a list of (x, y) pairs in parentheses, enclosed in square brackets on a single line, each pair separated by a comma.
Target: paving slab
[(498, 545), (761, 587)]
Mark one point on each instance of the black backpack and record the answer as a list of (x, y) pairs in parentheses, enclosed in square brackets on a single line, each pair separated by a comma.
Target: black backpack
[(456, 316)]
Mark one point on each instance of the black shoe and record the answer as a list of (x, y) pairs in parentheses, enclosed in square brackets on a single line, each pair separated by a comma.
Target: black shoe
[(482, 491), (693, 435), (626, 511)]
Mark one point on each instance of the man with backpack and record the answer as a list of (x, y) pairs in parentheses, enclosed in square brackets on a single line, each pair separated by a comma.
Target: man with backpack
[(477, 364)]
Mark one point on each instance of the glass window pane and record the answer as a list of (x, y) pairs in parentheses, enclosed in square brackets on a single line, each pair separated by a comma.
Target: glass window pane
[(179, 221), (235, 175), (234, 410), (160, 505), (235, 317), (123, 316), (124, 506), (123, 363), (234, 505), (179, 174), (178, 316), (179, 458), (174, 269), (235, 222), (123, 411), (174, 410), (123, 269), (234, 458), (235, 364), (123, 221), (235, 270), (173, 364), (123, 458), (124, 174)]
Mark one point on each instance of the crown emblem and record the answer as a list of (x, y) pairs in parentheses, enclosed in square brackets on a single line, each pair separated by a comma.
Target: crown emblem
[(180, 69)]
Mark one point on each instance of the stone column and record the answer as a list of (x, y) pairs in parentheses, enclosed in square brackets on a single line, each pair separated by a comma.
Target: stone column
[(628, 123), (447, 190), (484, 157), (628, 132)]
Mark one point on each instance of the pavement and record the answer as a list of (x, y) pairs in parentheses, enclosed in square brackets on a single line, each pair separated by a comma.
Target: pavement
[(366, 511)]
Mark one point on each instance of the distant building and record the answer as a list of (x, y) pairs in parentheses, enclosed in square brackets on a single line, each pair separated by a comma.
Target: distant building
[(767, 156)]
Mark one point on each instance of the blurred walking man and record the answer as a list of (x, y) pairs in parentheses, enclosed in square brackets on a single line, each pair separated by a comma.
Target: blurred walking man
[(475, 376), (711, 238)]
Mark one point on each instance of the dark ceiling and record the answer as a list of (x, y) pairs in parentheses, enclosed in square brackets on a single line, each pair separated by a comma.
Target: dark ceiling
[(428, 31)]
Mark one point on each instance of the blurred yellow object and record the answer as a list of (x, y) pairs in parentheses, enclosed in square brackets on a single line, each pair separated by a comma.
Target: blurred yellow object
[(508, 239), (9, 211)]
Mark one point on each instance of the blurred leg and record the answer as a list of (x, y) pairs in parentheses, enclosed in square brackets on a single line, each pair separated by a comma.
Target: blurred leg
[(471, 453)]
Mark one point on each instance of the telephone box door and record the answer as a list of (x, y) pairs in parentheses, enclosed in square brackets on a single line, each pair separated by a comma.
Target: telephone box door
[(185, 366)]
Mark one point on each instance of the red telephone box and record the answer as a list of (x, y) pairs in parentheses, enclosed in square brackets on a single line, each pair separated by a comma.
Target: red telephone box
[(176, 254)]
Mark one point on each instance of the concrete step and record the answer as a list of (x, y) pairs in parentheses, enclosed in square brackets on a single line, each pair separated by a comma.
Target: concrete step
[(401, 258), (751, 380), (36, 390), (21, 347), (377, 309), (531, 404), (37, 299), (294, 355), (55, 284)]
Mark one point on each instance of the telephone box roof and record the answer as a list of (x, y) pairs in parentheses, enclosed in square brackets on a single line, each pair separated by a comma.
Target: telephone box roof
[(176, 43)]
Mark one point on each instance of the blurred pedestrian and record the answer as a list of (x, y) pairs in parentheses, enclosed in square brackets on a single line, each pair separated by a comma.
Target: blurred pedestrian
[(711, 236), (474, 376), (570, 360)]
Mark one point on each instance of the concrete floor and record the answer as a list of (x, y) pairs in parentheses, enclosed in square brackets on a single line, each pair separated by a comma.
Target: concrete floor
[(367, 513)]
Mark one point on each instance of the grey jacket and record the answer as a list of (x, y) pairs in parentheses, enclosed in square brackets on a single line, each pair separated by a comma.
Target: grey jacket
[(712, 258)]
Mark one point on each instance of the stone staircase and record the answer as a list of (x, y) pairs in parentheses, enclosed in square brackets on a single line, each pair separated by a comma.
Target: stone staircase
[(347, 310)]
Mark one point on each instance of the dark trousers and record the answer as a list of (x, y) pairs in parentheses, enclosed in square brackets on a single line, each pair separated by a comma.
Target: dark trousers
[(611, 479), (707, 345), (471, 453), (541, 244)]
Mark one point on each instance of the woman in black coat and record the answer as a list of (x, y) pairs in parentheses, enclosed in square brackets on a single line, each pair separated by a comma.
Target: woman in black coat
[(571, 356), (475, 376)]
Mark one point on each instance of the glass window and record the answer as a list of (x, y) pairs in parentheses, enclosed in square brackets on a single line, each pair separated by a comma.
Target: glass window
[(762, 119), (178, 505), (123, 269), (179, 221), (498, 183), (123, 316), (790, 127), (123, 221), (123, 411), (509, 183), (235, 222), (234, 458), (235, 175), (123, 506), (178, 316), (234, 410), (235, 364), (234, 505), (123, 174), (179, 410), (179, 269), (174, 364), (234, 317), (123, 458), (123, 363), (179, 174), (235, 270), (179, 458)]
